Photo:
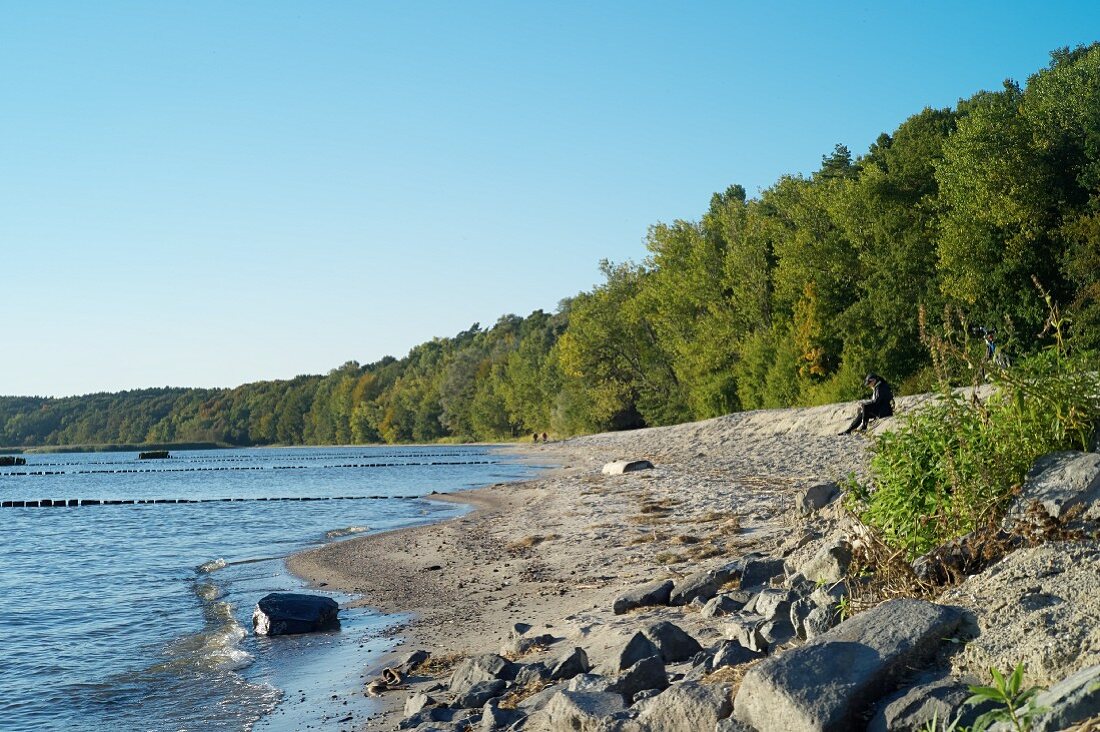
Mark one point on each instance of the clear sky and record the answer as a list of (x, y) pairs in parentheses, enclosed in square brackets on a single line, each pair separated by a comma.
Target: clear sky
[(208, 193)]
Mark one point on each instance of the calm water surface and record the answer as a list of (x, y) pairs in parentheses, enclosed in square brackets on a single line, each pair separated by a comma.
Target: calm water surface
[(138, 617)]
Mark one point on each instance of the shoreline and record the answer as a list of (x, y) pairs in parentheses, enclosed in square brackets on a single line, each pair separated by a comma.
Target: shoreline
[(554, 551)]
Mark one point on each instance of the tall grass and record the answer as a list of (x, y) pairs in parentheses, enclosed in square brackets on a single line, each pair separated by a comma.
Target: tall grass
[(952, 467)]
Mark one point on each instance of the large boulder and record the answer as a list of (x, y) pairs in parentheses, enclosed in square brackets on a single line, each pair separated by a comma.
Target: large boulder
[(1038, 606), (827, 684), (1073, 699), (654, 593), (287, 613), (570, 664), (1058, 482), (687, 706)]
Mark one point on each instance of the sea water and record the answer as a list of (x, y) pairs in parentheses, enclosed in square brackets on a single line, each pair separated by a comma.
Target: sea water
[(138, 616)]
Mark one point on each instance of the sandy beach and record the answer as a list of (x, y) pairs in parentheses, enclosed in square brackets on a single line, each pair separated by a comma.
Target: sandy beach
[(555, 552)]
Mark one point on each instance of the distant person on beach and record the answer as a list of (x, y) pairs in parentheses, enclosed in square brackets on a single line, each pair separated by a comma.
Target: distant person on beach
[(534, 437), (994, 355), (544, 437), (881, 404)]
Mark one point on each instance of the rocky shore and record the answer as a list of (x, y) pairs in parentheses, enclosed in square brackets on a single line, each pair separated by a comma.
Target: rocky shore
[(706, 593)]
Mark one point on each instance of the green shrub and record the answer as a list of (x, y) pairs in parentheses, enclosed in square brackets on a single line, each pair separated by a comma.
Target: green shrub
[(952, 467)]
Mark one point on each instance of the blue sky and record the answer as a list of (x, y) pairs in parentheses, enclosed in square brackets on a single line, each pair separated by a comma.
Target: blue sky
[(211, 193)]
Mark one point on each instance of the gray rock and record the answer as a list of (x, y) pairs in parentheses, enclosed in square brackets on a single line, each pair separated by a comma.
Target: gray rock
[(720, 606), (411, 661), (830, 564), (481, 692), (493, 718), (815, 498), (826, 684), (745, 629), (590, 682), (828, 595), (626, 466), (777, 632), (773, 602), (637, 648), (530, 673), (646, 694), (729, 724), (290, 613), (687, 706), (732, 653), (1058, 482), (427, 715), (705, 585), (758, 572), (486, 667), (525, 644), (418, 701), (1073, 699), (800, 610), (569, 665), (912, 708), (538, 701), (654, 593), (671, 641), (649, 673), (820, 621), (581, 711)]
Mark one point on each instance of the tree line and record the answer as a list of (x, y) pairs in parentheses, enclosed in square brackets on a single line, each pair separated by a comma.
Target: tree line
[(785, 298)]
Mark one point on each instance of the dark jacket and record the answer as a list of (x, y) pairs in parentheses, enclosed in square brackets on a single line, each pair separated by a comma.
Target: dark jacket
[(882, 400)]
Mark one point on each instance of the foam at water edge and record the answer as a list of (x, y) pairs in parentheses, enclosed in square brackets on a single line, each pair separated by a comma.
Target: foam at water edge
[(212, 566), (346, 531)]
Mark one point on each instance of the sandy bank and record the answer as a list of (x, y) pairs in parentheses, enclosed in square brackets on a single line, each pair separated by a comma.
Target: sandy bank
[(556, 551)]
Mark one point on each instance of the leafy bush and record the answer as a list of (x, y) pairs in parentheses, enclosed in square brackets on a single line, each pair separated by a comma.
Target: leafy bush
[(953, 466)]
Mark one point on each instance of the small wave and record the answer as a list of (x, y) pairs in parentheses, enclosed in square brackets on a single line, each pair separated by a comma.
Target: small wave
[(217, 647), (346, 531), (208, 591), (212, 566)]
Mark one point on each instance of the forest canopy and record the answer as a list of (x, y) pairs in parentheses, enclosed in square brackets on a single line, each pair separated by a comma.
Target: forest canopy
[(786, 298)]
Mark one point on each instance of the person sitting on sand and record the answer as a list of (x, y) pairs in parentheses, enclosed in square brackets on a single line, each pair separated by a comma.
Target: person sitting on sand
[(881, 404)]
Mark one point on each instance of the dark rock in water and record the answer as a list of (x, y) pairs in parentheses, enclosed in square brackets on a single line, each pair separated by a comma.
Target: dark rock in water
[(8, 461), (654, 593), (673, 643), (288, 613), (153, 455), (481, 692), (827, 684)]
